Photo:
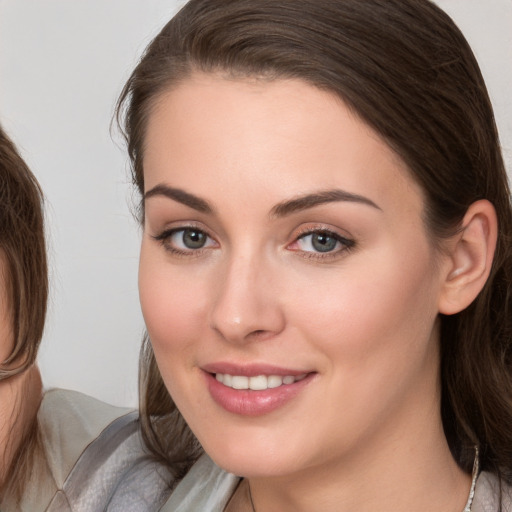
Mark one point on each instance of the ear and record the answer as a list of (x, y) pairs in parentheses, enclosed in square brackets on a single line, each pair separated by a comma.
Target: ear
[(469, 254)]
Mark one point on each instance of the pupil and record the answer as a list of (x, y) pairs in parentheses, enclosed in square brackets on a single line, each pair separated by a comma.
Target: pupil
[(194, 239), (323, 243)]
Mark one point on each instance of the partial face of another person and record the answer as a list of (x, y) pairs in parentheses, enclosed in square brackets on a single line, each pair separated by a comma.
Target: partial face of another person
[(9, 438), (6, 334), (289, 285)]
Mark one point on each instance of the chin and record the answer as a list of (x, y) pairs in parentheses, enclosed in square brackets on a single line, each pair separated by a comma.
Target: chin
[(248, 458)]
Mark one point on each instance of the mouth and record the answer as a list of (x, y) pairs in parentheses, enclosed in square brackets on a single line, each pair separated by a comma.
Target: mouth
[(258, 382), (254, 390)]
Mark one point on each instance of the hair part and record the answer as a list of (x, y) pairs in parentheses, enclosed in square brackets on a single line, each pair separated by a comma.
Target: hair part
[(405, 68)]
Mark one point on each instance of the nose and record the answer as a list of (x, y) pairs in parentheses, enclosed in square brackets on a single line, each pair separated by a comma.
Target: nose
[(247, 303)]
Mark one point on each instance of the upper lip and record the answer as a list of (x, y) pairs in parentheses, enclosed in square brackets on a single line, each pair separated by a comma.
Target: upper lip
[(251, 370)]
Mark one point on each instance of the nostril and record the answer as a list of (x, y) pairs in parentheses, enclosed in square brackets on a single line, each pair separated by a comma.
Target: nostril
[(260, 334)]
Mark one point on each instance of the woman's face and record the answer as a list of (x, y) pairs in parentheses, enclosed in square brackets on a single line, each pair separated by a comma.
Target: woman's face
[(284, 249)]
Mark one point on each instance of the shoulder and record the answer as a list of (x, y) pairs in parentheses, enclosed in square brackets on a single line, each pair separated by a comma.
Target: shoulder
[(487, 493), (69, 421), (97, 456)]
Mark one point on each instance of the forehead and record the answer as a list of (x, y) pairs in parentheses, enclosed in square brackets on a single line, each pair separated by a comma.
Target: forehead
[(285, 134)]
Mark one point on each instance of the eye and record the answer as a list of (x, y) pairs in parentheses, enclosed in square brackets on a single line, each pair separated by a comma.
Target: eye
[(185, 240), (321, 242), (189, 239)]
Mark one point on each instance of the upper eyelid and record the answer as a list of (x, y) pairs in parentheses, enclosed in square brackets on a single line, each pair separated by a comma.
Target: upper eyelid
[(182, 227), (347, 242), (320, 228)]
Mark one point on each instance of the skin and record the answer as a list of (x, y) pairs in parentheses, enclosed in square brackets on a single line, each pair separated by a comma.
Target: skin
[(365, 433), (19, 395)]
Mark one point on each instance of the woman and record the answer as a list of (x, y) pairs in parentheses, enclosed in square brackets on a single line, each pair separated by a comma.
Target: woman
[(23, 296), (325, 269), (65, 451)]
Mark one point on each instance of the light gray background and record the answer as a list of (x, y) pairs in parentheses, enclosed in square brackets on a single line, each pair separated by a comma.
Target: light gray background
[(62, 65)]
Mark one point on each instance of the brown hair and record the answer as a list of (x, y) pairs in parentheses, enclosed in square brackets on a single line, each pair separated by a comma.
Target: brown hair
[(406, 70), (25, 276), (22, 243)]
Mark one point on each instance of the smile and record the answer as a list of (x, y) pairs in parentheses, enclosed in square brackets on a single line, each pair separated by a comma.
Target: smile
[(260, 392), (257, 383)]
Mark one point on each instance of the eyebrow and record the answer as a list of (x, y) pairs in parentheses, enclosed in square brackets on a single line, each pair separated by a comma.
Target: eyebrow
[(323, 197), (280, 210), (180, 196)]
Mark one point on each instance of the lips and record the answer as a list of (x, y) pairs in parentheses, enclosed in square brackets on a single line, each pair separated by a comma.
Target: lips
[(256, 389)]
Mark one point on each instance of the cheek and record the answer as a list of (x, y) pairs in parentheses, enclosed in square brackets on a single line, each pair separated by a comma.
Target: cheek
[(376, 332), (383, 303), (172, 303)]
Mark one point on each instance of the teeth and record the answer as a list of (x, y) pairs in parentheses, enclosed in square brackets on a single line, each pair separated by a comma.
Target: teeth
[(239, 382), (274, 381), (258, 383)]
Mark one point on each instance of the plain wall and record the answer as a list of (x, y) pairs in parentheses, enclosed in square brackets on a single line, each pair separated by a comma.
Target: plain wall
[(62, 66)]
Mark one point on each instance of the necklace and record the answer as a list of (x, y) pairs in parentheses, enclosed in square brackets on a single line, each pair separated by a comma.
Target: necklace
[(476, 466), (467, 508)]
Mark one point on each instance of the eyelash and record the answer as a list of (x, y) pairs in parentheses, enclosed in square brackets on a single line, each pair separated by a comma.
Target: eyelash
[(165, 237), (346, 244)]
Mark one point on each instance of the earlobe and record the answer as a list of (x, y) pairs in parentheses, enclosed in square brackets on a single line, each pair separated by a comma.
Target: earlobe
[(470, 257)]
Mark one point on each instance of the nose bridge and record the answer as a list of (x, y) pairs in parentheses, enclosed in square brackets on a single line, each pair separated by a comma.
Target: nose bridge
[(245, 304)]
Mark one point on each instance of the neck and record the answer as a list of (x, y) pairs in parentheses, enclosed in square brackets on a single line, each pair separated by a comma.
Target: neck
[(410, 469), (20, 397)]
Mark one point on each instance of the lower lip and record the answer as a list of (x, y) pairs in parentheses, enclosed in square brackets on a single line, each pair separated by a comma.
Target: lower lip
[(246, 402)]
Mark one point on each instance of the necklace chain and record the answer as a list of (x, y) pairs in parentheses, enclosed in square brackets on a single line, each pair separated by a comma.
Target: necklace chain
[(467, 508), (476, 468)]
